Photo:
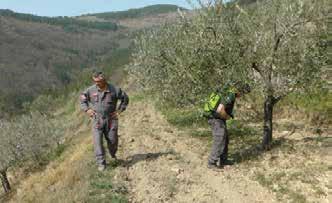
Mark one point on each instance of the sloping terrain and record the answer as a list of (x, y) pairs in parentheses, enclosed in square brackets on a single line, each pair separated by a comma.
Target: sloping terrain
[(35, 55), (165, 165), (159, 163), (136, 19), (38, 54)]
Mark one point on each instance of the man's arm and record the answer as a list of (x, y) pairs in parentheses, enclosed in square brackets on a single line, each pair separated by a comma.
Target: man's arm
[(124, 100), (84, 103), (229, 104), (84, 100)]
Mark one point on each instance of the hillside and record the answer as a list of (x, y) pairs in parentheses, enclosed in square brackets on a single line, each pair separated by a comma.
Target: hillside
[(41, 53), (47, 153), (137, 18), (37, 56), (68, 23), (137, 13)]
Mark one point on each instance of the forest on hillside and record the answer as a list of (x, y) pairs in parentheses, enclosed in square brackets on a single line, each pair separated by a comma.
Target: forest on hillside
[(136, 13), (69, 24)]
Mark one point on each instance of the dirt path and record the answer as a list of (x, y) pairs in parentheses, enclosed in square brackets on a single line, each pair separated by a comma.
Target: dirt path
[(160, 165)]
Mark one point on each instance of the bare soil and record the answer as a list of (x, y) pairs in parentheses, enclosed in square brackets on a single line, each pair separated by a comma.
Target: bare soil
[(162, 165)]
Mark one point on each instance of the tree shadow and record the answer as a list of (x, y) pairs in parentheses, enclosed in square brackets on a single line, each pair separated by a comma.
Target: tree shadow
[(132, 160), (254, 151)]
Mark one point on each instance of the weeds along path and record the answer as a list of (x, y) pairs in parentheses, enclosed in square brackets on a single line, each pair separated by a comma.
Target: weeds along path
[(161, 165), (63, 180)]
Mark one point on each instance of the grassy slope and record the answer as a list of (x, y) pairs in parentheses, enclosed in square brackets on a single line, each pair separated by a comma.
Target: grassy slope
[(72, 175)]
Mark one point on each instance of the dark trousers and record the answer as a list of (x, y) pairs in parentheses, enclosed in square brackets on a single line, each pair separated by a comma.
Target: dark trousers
[(219, 149)]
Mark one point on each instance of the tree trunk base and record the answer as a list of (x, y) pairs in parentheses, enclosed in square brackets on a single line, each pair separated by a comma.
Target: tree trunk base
[(5, 181), (268, 116)]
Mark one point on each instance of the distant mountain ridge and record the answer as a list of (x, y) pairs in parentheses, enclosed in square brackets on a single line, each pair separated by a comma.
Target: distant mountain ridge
[(67, 23), (138, 12)]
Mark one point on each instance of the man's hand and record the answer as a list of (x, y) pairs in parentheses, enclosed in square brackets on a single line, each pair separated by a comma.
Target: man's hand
[(116, 114), (222, 112), (91, 113)]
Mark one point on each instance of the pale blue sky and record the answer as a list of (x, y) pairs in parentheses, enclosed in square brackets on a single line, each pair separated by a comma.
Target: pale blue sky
[(78, 7)]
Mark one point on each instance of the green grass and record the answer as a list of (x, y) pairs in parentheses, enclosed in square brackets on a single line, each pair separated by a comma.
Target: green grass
[(137, 98), (183, 117), (318, 102), (102, 189), (56, 153)]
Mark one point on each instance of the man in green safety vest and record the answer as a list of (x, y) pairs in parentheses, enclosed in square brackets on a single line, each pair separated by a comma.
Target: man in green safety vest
[(218, 109)]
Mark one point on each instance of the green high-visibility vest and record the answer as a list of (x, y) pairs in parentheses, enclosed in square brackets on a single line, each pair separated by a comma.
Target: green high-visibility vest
[(212, 103), (217, 97)]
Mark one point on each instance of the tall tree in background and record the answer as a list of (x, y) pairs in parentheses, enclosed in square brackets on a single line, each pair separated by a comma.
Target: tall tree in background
[(277, 45)]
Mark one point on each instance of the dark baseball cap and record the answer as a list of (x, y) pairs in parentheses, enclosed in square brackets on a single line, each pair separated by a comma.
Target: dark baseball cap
[(244, 88), (98, 74)]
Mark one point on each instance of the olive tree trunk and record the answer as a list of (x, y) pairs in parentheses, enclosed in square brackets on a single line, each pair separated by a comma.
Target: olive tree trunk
[(268, 127), (269, 103), (5, 181)]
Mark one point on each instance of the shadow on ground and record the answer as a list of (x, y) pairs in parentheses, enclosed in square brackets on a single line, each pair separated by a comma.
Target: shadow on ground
[(253, 151), (132, 160)]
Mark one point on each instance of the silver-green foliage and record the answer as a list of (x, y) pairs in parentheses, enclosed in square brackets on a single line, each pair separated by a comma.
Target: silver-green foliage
[(182, 60), (27, 137), (285, 44), (274, 44)]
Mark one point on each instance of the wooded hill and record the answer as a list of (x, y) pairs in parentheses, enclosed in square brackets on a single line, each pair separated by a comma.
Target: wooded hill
[(137, 13), (44, 53)]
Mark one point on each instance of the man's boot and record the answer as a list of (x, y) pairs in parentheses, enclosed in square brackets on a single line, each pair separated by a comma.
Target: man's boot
[(214, 166), (101, 167)]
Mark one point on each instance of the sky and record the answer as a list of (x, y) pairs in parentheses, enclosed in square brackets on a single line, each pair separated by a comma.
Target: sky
[(79, 7)]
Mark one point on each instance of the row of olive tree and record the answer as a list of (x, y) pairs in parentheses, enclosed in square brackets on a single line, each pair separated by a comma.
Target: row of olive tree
[(26, 137), (276, 45)]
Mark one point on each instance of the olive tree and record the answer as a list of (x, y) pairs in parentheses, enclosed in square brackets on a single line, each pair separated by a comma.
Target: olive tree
[(26, 137), (284, 49), (183, 60), (275, 45)]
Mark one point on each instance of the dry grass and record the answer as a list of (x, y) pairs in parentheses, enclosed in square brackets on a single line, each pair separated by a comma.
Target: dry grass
[(72, 176), (297, 168), (64, 180)]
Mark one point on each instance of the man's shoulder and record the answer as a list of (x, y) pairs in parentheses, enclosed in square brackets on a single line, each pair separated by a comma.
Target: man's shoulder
[(230, 97), (92, 88), (112, 87)]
